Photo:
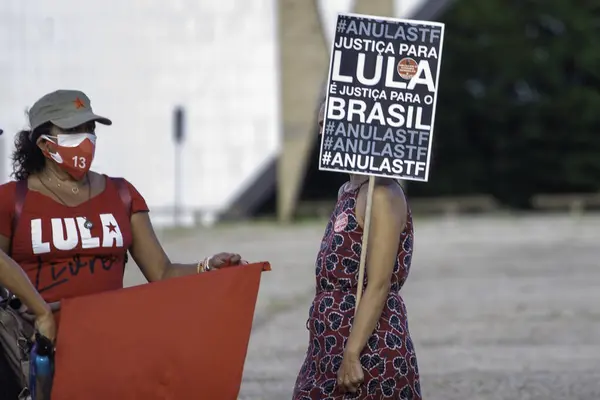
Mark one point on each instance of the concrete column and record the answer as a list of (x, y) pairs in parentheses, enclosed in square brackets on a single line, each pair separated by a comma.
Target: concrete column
[(383, 8), (304, 62)]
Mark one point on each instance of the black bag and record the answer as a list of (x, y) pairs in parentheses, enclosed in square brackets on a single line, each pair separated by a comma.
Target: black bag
[(15, 340)]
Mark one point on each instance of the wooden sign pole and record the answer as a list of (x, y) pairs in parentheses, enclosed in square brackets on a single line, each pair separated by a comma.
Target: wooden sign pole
[(365, 242)]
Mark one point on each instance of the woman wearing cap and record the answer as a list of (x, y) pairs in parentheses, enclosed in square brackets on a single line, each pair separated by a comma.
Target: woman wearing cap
[(65, 230)]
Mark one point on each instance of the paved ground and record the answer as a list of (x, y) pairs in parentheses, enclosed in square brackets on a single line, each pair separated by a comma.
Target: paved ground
[(500, 308)]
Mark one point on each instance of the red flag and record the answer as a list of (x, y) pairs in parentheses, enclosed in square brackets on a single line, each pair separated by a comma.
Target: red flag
[(184, 338)]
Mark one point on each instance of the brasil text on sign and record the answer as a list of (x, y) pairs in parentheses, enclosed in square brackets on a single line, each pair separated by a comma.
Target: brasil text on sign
[(381, 97)]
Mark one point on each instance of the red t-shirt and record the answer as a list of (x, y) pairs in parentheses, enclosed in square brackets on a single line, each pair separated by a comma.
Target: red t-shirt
[(60, 256)]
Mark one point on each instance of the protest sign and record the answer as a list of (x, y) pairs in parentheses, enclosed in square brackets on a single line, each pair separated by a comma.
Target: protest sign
[(381, 97)]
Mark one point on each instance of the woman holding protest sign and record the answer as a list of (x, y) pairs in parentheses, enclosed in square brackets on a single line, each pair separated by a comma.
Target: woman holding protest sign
[(64, 230), (369, 354)]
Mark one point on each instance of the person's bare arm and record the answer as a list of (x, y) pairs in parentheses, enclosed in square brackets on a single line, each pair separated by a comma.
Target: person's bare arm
[(13, 278), (388, 219), (150, 256)]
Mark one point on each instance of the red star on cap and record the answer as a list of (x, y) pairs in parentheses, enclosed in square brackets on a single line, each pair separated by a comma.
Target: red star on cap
[(111, 228), (79, 103)]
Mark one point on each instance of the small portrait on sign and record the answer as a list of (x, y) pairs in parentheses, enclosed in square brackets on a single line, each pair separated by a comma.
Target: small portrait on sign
[(407, 68), (340, 222)]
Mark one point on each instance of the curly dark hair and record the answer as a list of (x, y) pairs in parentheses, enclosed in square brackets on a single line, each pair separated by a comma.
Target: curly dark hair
[(27, 158)]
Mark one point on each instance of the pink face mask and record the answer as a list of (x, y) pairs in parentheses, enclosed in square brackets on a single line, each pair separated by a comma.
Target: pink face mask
[(73, 152)]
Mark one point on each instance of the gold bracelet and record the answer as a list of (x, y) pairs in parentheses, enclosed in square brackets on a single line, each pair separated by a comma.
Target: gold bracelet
[(203, 265)]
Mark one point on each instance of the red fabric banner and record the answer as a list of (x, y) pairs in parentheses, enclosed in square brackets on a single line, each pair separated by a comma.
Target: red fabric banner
[(184, 338)]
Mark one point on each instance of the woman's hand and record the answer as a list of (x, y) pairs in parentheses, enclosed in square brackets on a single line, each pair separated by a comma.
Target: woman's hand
[(350, 374), (222, 260), (46, 325)]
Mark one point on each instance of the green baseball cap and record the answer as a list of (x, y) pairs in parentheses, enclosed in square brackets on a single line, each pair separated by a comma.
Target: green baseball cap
[(66, 109)]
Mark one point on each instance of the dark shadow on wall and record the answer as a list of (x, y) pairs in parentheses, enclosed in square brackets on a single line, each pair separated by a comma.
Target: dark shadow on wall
[(318, 185)]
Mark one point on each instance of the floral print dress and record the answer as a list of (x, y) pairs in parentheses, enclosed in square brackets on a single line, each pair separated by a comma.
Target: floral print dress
[(389, 360)]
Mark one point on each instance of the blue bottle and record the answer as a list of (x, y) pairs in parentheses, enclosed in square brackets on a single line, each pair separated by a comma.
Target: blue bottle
[(41, 368)]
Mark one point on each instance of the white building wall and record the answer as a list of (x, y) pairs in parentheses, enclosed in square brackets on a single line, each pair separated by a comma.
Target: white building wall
[(139, 59)]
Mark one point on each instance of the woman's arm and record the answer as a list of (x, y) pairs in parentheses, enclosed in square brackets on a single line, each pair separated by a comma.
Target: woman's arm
[(388, 219), (13, 278), (150, 256)]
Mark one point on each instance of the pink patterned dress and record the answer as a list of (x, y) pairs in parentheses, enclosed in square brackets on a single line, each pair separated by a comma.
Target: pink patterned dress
[(389, 360)]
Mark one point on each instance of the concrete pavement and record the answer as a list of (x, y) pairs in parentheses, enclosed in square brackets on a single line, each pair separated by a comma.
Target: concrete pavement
[(500, 307)]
